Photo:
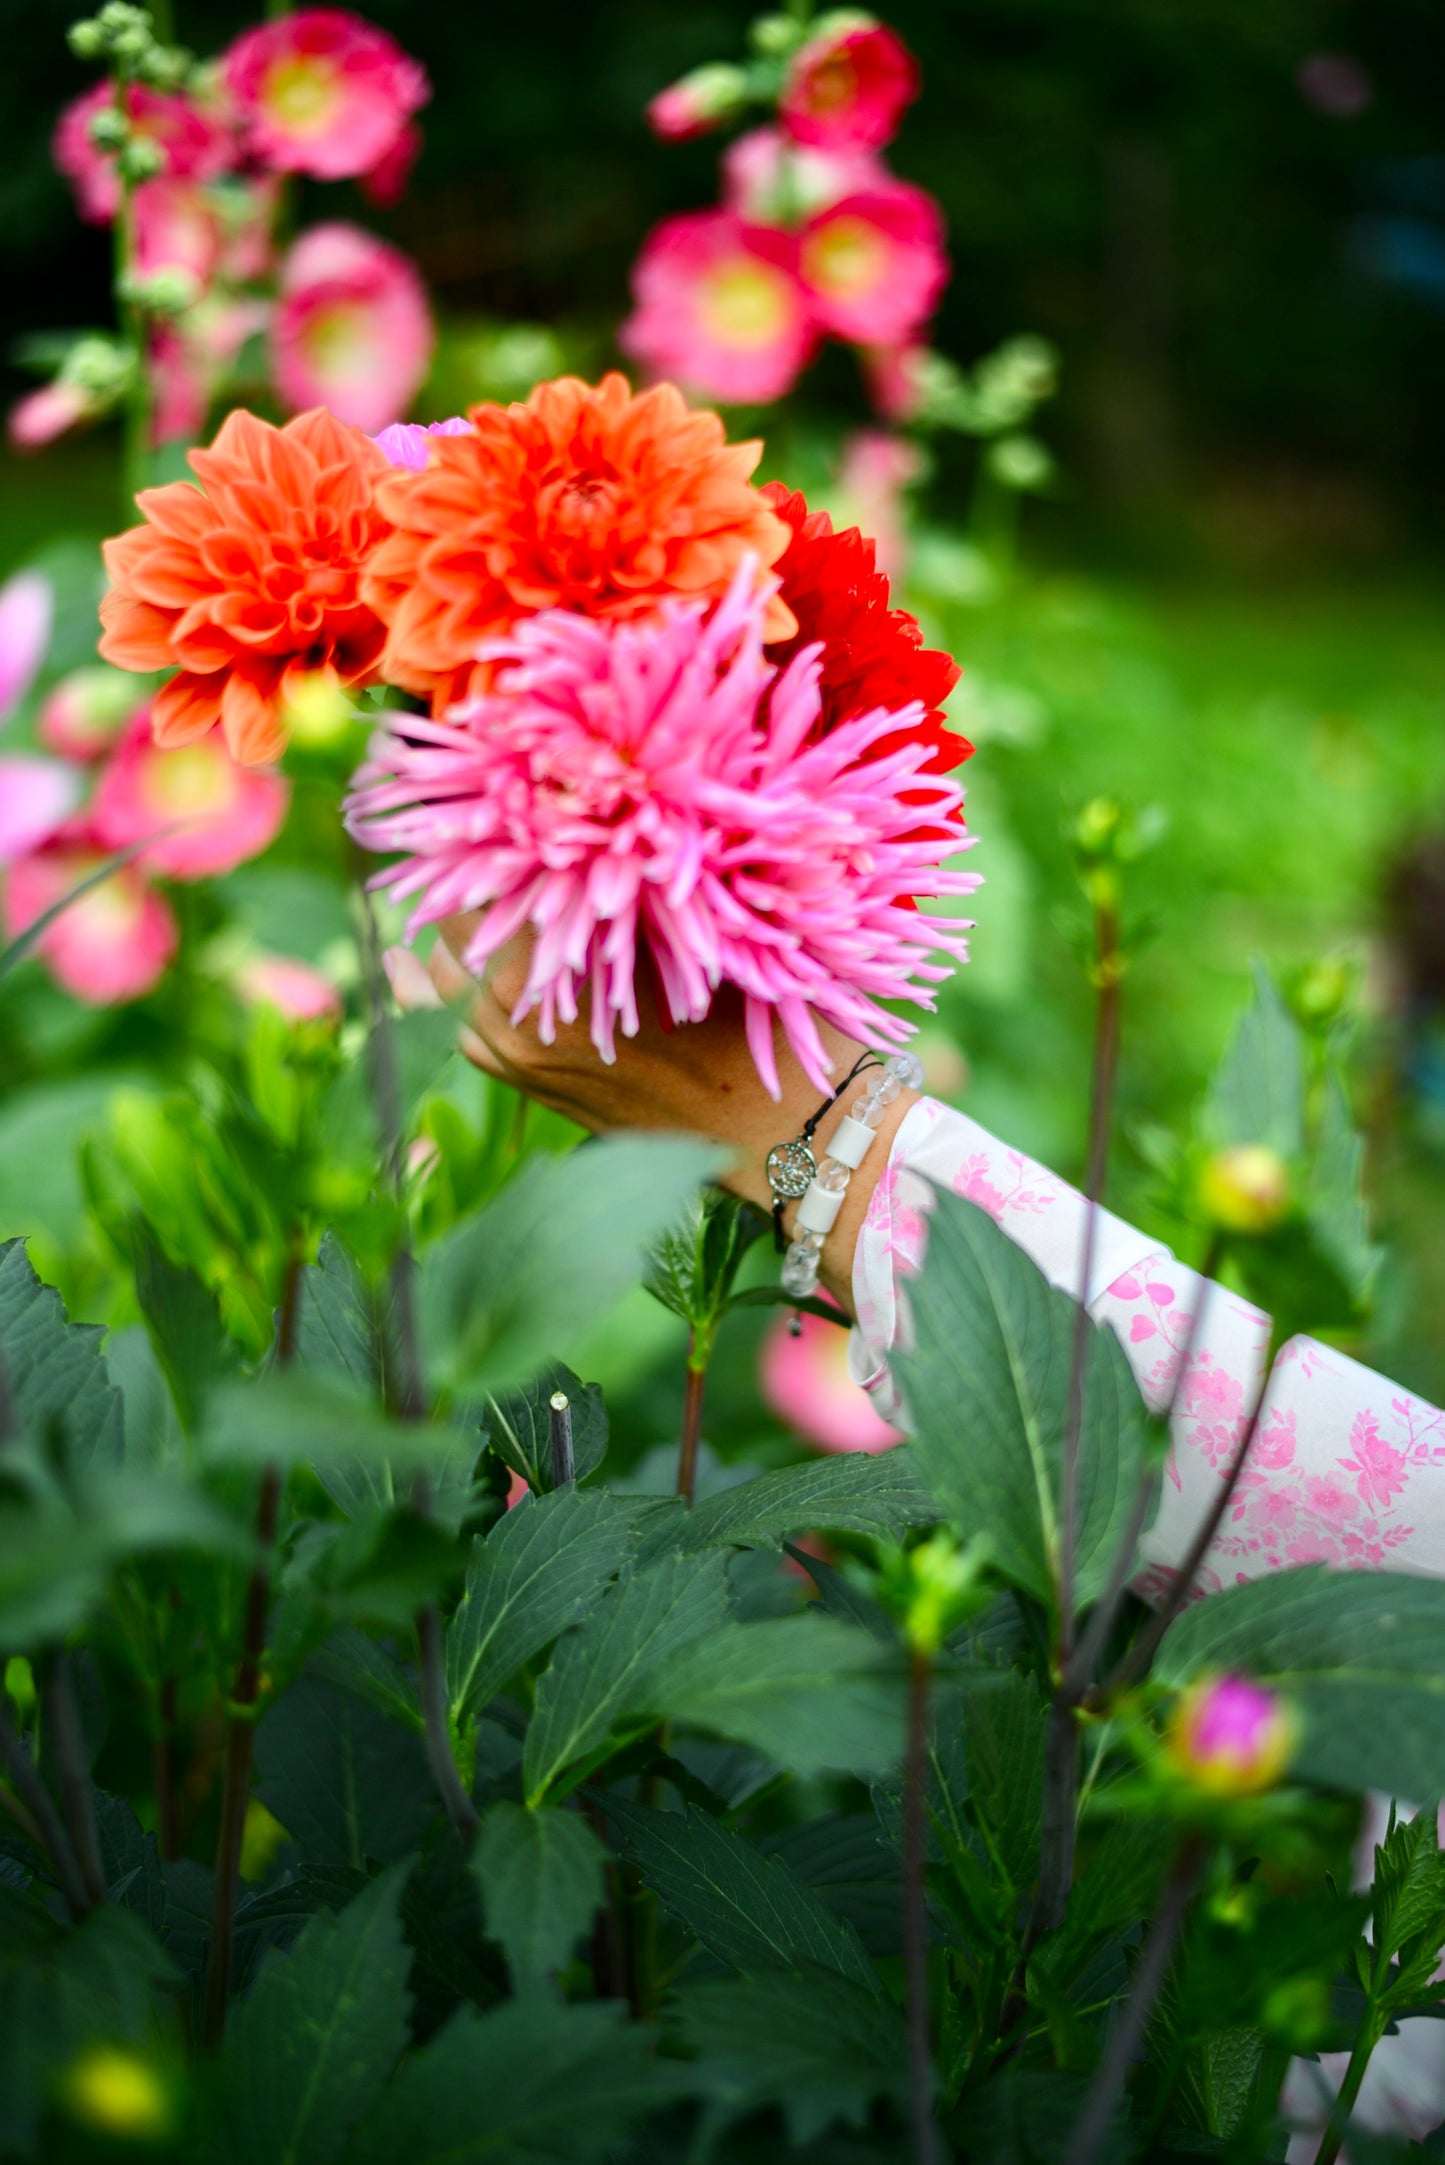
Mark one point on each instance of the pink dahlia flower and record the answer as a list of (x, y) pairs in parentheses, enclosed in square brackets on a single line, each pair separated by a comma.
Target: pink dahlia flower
[(408, 443), (222, 813), (323, 92), (114, 944), (1231, 1737), (719, 308), (846, 90), (873, 265), (86, 711), (806, 1379), (771, 180), (622, 785), (293, 988), (197, 144), (352, 329)]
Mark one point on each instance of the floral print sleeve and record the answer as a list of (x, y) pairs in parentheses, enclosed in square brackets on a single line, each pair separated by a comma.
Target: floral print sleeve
[(1341, 1468)]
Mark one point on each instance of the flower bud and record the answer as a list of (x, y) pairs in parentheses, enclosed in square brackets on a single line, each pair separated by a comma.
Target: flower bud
[(169, 291), (85, 712), (1245, 1189), (318, 712), (697, 103), (933, 1588), (118, 2093), (141, 159), (1020, 462), (775, 36), (86, 39), (109, 129), (1230, 1736)]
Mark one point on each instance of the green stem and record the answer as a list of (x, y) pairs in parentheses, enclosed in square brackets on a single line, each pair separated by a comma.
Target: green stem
[(915, 1910), (698, 1351), (1371, 2030), (136, 412)]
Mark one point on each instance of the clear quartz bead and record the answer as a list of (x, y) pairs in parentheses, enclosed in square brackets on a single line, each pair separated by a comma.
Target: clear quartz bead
[(867, 1110), (884, 1087), (907, 1068), (799, 1273), (833, 1178), (810, 1243)]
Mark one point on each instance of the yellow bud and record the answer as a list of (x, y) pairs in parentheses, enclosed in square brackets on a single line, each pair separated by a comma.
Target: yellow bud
[(1245, 1189), (118, 2093)]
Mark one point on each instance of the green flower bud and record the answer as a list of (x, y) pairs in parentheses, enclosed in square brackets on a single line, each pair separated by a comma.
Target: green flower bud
[(118, 2093), (133, 47), (167, 292), (1020, 462), (1245, 1189), (775, 36), (109, 129), (141, 159), (86, 39), (933, 1588)]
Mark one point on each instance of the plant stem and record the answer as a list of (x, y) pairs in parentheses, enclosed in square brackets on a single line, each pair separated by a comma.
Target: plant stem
[(9, 1418), (915, 1909), (693, 1385), (236, 1778), (36, 1804), (73, 1773), (163, 1769), (1148, 1980), (135, 461), (436, 1726), (559, 1422), (1369, 2035)]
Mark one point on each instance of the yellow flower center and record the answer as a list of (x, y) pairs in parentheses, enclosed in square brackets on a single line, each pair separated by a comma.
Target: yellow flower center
[(746, 303), (300, 93), (340, 344), (194, 780), (845, 257)]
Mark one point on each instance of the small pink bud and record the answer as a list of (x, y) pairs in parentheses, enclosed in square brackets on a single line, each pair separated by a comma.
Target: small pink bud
[(1231, 1737), (1245, 1189), (697, 103)]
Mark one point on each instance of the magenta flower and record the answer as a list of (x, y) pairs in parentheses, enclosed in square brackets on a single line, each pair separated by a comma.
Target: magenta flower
[(874, 264), (112, 945), (352, 329), (406, 443), (177, 228), (807, 1381), (222, 813), (846, 90), (323, 92), (625, 785), (1230, 1736), (719, 308), (197, 144), (42, 416), (696, 104), (293, 988), (771, 180)]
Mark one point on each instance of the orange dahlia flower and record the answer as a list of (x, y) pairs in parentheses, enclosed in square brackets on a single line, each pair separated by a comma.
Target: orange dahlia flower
[(587, 497), (250, 585)]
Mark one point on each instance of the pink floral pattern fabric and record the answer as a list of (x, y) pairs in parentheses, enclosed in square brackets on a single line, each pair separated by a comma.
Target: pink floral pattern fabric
[(1345, 1469)]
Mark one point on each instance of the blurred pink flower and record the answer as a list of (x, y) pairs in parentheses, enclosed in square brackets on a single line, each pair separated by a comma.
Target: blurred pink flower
[(249, 219), (223, 813), (385, 184), (621, 785), (36, 797), (846, 90), (1231, 1736), (874, 264), (112, 945), (770, 179), (293, 988), (43, 415), (894, 378), (84, 713), (805, 1379), (177, 228), (189, 361), (323, 92), (352, 330), (697, 103), (406, 443), (27, 610), (719, 308), (875, 471), (197, 144)]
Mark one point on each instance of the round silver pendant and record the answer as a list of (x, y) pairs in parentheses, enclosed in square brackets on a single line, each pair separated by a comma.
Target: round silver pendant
[(791, 1167)]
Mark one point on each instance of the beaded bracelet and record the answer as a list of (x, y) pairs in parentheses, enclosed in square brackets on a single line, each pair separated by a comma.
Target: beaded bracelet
[(818, 1190)]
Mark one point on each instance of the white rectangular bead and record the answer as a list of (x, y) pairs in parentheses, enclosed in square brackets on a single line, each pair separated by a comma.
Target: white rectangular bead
[(849, 1142), (817, 1210)]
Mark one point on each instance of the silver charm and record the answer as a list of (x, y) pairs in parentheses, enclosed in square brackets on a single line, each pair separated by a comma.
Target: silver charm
[(791, 1168)]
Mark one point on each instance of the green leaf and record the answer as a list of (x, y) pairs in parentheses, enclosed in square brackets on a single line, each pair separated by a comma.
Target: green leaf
[(819, 2048), (987, 1390), (152, 1425), (695, 1261), (602, 1665), (815, 1694), (844, 1860), (550, 1257), (535, 2082), (532, 1576), (345, 1783), (130, 1862), (54, 1370), (355, 1663), (748, 1909), (519, 1430), (852, 1493), (1334, 1199), (183, 1321), (1003, 1744), (1361, 1655), (289, 1417), (1257, 1095), (336, 1324), (312, 2043), (541, 1879)]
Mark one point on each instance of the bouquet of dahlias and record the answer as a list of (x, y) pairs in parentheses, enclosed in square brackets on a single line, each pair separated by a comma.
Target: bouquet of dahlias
[(672, 728)]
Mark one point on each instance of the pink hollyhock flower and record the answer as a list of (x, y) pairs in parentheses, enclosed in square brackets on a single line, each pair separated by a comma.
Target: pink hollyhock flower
[(894, 375), (770, 180), (846, 89), (719, 308), (805, 1379), (85, 712), (42, 416), (323, 92), (385, 184), (177, 228), (36, 797), (696, 104), (352, 329), (406, 443), (1231, 1737), (876, 470), (27, 611), (113, 944), (622, 784), (293, 988), (874, 265), (189, 360), (223, 813), (197, 144)]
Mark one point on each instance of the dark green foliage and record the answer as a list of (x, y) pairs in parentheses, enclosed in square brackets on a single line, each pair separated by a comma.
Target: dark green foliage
[(347, 1784), (540, 1875)]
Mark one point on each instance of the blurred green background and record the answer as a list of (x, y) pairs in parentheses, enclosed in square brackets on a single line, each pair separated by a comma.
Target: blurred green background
[(1229, 218)]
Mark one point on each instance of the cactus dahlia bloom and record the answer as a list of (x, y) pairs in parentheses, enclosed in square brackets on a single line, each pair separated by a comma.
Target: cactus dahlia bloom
[(619, 786), (589, 498), (250, 583)]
